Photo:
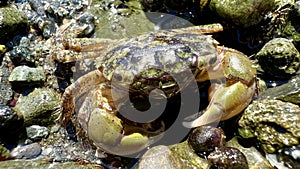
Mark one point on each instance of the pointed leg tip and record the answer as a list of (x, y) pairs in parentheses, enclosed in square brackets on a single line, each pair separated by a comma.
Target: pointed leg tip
[(188, 124)]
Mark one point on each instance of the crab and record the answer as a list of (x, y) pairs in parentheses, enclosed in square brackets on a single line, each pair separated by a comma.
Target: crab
[(141, 65)]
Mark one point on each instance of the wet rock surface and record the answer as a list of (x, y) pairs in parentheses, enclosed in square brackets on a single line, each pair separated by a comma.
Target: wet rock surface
[(279, 58), (288, 92), (160, 156), (242, 12), (228, 158), (273, 122), (248, 26)]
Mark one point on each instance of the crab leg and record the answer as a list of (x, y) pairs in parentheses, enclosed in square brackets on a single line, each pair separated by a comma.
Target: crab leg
[(201, 29), (80, 86), (81, 48), (226, 102)]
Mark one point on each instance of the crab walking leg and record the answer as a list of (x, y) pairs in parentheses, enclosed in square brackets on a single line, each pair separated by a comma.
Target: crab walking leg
[(226, 102), (201, 29), (80, 86), (82, 48)]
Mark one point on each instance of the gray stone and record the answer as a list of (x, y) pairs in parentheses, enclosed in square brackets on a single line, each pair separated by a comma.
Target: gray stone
[(26, 152), (27, 74), (36, 133)]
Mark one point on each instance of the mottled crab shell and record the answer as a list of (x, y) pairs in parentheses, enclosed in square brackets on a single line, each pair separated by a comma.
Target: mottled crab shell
[(150, 61)]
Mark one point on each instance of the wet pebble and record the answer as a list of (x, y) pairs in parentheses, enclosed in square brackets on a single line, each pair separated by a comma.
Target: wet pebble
[(36, 133), (40, 107), (21, 54), (228, 158), (254, 158), (205, 139), (6, 92), (27, 151)]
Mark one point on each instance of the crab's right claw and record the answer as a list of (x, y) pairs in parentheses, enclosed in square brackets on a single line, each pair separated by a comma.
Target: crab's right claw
[(226, 102)]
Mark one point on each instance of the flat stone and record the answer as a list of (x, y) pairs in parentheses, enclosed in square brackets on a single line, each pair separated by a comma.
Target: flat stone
[(27, 151), (27, 74)]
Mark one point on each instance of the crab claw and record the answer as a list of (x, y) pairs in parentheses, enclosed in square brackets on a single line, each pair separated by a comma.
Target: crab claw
[(226, 102)]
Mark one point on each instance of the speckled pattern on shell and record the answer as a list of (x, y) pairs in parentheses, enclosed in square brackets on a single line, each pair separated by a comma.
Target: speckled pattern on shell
[(153, 57)]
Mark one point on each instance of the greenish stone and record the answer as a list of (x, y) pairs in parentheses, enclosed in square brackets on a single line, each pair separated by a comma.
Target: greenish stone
[(189, 157), (159, 157), (291, 29), (279, 58), (274, 123), (4, 153), (12, 22), (117, 23), (254, 157), (40, 107), (244, 13), (27, 74), (174, 156)]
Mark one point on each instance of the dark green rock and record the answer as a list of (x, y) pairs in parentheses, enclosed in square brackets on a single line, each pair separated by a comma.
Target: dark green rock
[(292, 28), (115, 22), (279, 59), (244, 13)]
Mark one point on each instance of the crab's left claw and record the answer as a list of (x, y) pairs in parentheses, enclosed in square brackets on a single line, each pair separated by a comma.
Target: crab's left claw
[(226, 102)]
